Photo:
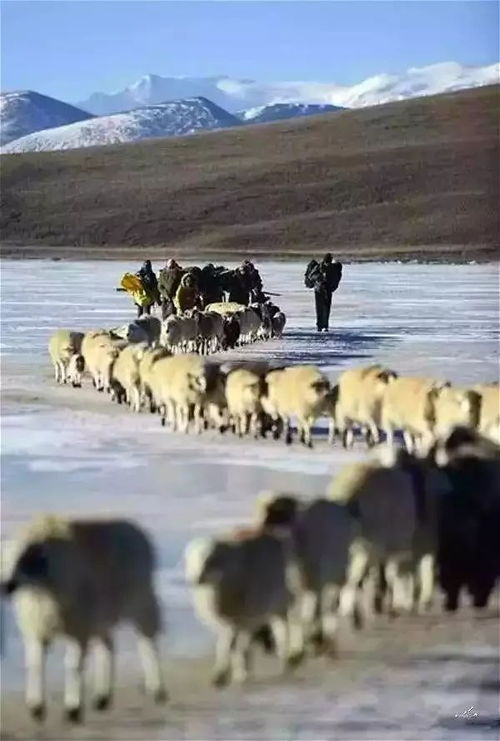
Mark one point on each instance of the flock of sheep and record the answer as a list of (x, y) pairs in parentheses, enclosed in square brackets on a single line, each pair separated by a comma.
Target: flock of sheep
[(388, 533), (138, 365)]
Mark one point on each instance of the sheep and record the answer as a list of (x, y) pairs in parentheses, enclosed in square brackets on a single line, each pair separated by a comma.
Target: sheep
[(322, 533), (179, 385), (264, 332), (469, 523), (409, 405), (241, 583), (278, 322), (146, 360), (244, 389), (395, 504), (296, 391), (250, 324), (231, 332), (125, 376), (65, 352), (217, 322), (329, 410), (209, 325), (78, 579), (99, 358), (144, 329), (360, 394), (489, 416), (455, 407)]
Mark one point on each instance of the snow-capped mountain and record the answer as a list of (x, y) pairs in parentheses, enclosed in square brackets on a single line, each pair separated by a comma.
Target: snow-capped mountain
[(25, 111), (236, 95), (178, 118), (280, 111)]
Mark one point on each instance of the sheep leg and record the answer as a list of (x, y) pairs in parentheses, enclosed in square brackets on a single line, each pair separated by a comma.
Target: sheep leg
[(73, 686), (240, 657), (147, 624), (355, 573), (408, 441), (104, 669), (279, 630), (426, 580), (198, 419), (56, 371), (135, 399), (307, 431), (400, 579), (288, 431), (308, 613), (35, 652), (225, 642), (372, 435), (328, 606), (331, 431)]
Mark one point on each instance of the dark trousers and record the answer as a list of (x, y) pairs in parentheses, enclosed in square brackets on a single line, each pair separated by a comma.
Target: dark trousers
[(323, 300)]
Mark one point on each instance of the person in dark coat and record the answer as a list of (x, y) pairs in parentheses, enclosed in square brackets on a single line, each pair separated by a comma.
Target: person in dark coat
[(168, 283), (252, 281), (150, 284), (209, 285), (324, 277), (237, 285)]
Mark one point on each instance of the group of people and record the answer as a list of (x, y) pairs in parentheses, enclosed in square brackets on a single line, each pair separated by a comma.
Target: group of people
[(178, 289)]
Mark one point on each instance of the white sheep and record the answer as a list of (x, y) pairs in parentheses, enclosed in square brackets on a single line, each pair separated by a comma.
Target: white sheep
[(65, 348), (125, 375), (455, 407), (243, 394), (409, 405), (78, 579), (296, 392), (179, 387), (241, 583), (359, 401)]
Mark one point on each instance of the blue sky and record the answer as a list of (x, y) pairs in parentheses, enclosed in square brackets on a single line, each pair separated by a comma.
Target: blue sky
[(69, 49)]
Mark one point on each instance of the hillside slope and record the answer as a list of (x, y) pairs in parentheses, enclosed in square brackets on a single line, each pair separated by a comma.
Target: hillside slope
[(417, 177)]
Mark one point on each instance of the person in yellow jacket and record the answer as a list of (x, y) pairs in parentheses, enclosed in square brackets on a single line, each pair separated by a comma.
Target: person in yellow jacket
[(187, 296)]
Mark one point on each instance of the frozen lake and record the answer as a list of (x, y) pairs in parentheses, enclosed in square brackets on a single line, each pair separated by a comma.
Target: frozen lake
[(72, 451)]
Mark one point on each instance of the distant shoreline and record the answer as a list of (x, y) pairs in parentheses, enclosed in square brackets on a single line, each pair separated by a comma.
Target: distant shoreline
[(450, 254)]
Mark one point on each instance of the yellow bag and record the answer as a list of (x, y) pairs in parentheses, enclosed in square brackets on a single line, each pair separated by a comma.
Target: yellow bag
[(133, 286)]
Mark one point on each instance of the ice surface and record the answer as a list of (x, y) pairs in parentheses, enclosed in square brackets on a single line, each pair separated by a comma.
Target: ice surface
[(72, 451)]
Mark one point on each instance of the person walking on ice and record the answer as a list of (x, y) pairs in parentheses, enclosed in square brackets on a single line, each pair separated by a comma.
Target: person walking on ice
[(324, 277)]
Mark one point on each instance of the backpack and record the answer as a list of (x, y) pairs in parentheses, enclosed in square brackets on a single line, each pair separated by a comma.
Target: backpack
[(311, 274)]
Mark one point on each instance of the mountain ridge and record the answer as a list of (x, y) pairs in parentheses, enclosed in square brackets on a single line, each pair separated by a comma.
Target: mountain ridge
[(176, 118), (237, 94), (405, 179)]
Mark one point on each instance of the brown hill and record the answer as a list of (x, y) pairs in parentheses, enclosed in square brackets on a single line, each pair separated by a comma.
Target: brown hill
[(418, 177)]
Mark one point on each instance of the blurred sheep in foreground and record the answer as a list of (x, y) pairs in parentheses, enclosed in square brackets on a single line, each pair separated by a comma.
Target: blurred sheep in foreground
[(79, 579)]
